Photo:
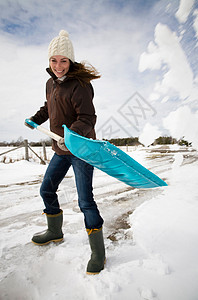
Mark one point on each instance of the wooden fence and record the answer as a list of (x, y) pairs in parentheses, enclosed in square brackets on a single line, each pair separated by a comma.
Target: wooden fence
[(27, 147)]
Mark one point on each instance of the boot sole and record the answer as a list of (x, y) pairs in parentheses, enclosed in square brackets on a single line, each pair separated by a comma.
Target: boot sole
[(43, 244), (96, 273)]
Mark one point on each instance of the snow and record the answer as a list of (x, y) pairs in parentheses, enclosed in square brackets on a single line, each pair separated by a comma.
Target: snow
[(24, 170), (151, 236), (166, 228)]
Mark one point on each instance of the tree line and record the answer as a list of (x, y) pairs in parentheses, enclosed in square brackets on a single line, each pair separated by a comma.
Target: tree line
[(20, 141), (130, 141), (162, 140)]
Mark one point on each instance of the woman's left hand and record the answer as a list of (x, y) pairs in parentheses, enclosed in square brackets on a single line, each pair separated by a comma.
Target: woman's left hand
[(61, 144)]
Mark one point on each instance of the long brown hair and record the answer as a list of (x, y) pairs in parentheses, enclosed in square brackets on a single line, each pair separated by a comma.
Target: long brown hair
[(83, 71)]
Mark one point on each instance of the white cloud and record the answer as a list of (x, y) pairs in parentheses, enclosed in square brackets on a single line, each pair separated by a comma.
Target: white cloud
[(167, 54), (184, 10), (165, 99), (149, 134), (151, 59), (195, 23), (154, 96), (183, 123), (22, 85)]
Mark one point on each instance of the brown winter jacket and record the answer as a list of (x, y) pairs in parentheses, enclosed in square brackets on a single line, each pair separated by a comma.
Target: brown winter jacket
[(69, 103)]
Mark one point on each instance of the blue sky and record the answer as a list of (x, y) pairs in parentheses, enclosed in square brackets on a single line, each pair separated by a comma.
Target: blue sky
[(114, 36), (36, 21)]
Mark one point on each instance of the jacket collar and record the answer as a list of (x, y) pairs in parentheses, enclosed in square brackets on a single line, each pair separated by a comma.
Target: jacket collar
[(51, 74), (54, 77)]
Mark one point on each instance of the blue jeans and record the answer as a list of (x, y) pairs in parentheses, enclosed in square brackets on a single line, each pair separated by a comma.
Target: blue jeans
[(56, 171)]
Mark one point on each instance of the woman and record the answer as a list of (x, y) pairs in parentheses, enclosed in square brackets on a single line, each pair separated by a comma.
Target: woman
[(69, 95)]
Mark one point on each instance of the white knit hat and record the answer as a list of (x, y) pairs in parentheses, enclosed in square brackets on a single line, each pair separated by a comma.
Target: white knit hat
[(61, 45)]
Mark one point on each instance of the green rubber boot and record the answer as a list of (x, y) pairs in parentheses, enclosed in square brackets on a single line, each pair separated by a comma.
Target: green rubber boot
[(53, 233), (97, 261)]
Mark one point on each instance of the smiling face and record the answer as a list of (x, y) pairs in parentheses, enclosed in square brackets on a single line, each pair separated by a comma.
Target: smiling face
[(59, 65)]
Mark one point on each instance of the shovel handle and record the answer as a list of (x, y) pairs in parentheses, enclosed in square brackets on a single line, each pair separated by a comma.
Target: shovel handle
[(51, 134)]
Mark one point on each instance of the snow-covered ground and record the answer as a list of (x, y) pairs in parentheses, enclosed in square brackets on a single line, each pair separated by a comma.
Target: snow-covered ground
[(151, 236)]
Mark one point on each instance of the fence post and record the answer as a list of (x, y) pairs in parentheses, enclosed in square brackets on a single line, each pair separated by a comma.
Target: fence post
[(44, 151), (26, 150)]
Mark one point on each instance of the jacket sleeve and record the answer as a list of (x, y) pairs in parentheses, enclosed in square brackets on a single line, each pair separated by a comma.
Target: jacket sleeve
[(82, 101), (42, 115)]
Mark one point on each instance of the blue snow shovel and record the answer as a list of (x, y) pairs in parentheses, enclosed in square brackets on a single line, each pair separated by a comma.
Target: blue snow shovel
[(106, 157)]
